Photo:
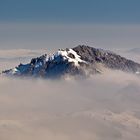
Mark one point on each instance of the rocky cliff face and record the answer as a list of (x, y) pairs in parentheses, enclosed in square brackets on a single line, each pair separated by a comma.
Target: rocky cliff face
[(107, 58), (75, 61)]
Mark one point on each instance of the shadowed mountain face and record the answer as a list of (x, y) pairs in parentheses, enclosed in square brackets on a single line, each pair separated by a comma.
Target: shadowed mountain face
[(81, 60), (107, 58)]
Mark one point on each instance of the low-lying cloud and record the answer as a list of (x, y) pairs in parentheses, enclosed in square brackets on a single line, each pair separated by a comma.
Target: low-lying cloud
[(103, 107)]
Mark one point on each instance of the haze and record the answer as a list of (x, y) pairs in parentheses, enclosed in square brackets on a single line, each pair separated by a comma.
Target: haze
[(98, 108), (54, 36)]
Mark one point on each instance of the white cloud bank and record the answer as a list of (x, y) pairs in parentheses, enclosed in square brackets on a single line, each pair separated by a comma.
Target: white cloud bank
[(103, 107)]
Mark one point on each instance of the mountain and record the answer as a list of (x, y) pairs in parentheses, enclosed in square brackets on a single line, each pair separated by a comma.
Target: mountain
[(81, 60)]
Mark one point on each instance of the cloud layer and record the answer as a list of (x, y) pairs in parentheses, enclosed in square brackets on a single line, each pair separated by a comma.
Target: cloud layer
[(103, 107)]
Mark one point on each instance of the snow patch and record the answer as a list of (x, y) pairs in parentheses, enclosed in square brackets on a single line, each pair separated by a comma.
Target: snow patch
[(137, 72), (13, 71), (65, 54)]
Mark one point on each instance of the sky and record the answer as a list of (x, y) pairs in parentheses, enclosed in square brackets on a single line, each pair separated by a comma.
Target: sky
[(67, 23), (71, 11)]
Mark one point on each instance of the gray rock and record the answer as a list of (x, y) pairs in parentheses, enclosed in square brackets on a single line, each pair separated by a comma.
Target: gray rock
[(59, 66)]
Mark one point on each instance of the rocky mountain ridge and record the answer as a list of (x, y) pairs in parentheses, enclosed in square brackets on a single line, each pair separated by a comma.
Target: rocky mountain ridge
[(80, 60)]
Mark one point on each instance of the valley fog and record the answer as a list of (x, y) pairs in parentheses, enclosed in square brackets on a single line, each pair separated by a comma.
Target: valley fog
[(102, 107)]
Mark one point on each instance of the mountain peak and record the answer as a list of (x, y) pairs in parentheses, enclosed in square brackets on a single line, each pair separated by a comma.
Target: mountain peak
[(74, 61)]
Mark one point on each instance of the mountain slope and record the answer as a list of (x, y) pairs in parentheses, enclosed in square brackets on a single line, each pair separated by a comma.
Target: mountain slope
[(107, 58), (81, 60)]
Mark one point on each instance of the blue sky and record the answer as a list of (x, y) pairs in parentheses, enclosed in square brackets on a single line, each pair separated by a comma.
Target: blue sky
[(67, 23), (70, 11)]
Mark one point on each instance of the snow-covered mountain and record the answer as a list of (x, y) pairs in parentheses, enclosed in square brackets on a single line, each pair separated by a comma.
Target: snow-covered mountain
[(80, 60)]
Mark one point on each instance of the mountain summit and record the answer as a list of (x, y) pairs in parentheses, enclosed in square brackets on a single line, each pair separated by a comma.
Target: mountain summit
[(80, 60)]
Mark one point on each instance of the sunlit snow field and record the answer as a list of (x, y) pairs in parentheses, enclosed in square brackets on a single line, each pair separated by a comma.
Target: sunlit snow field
[(103, 107)]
